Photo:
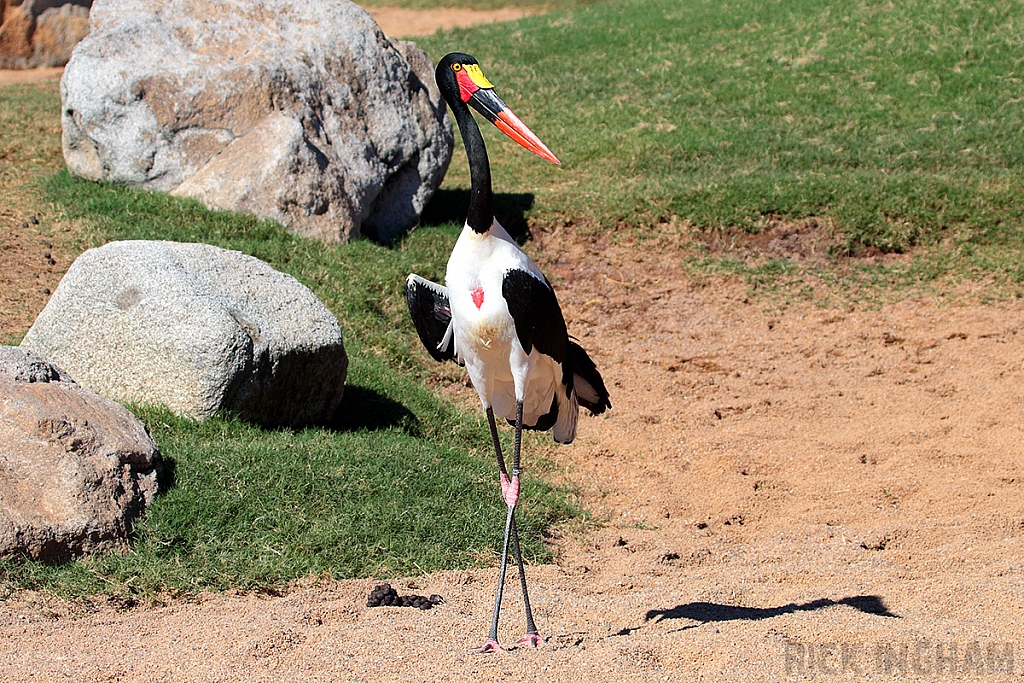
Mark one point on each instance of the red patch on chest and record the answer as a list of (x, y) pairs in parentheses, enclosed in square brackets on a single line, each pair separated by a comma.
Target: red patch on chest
[(478, 298)]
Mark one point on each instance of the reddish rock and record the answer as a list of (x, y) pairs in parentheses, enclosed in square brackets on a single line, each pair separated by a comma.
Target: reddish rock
[(75, 469), (16, 37), (58, 31), (38, 33)]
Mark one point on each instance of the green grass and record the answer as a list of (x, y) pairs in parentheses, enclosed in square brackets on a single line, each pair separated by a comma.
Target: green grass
[(404, 484), (252, 509), (30, 120), (899, 123)]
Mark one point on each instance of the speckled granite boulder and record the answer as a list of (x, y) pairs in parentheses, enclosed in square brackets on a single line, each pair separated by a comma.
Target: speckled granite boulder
[(300, 111), (196, 328)]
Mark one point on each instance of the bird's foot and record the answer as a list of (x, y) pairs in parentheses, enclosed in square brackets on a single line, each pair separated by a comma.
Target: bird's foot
[(531, 639), (510, 489), (490, 646)]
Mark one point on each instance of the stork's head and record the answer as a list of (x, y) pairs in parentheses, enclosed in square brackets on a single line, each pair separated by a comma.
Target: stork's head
[(461, 82)]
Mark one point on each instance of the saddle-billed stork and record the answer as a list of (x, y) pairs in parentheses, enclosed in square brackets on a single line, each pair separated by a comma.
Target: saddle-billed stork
[(498, 315)]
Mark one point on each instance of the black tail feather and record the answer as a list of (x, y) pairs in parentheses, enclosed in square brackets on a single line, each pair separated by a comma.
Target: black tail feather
[(544, 422), (590, 390)]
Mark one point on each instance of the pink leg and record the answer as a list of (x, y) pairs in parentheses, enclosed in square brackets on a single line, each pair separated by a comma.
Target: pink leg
[(531, 640), (510, 489), (491, 645)]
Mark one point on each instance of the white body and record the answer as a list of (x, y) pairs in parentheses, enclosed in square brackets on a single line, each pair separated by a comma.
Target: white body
[(485, 336)]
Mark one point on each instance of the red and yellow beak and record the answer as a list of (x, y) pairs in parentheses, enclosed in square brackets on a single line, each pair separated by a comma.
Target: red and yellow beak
[(476, 91)]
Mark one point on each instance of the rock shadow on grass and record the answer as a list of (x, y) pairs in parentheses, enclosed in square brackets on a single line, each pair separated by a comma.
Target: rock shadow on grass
[(363, 408)]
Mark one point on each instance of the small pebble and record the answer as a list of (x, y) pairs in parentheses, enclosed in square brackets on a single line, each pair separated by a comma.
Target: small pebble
[(33, 220)]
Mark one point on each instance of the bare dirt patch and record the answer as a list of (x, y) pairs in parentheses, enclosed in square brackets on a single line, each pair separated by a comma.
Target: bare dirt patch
[(24, 291), (32, 255), (22, 76), (405, 23), (782, 491), (810, 240)]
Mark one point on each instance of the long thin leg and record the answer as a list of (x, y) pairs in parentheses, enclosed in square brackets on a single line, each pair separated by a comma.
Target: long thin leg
[(492, 639), (519, 439), (491, 645), (532, 637), (510, 491), (495, 441)]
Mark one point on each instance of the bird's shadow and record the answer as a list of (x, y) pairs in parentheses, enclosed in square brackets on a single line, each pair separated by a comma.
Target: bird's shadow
[(707, 612), (510, 208)]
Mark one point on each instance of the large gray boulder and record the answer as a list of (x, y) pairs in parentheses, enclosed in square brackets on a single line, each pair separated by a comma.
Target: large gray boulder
[(75, 469), (196, 328), (300, 111)]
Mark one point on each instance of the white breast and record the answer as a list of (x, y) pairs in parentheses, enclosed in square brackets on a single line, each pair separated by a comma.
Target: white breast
[(485, 335)]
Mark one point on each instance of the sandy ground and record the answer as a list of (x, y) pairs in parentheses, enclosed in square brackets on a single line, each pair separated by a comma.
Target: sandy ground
[(394, 21), (786, 492), (404, 23), (19, 76)]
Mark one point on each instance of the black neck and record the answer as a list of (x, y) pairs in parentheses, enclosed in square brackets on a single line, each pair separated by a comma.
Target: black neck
[(481, 210)]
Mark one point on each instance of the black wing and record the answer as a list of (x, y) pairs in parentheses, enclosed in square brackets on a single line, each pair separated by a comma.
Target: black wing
[(538, 318), (432, 315), (539, 323)]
